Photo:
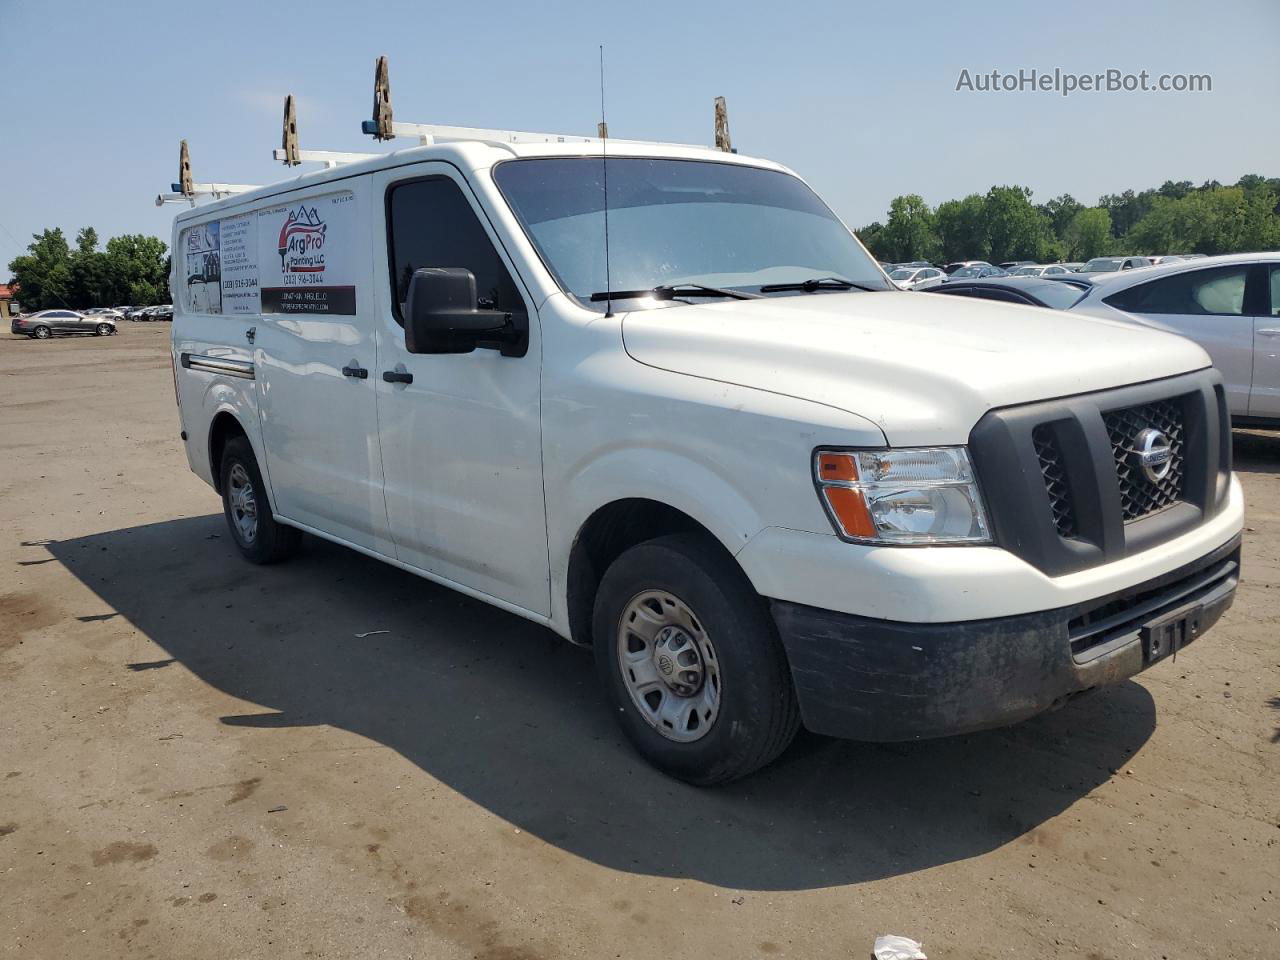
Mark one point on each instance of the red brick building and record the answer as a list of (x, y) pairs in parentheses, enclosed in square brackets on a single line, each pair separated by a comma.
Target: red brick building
[(8, 302)]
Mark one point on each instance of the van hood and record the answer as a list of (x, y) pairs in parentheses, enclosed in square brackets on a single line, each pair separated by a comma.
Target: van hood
[(922, 366)]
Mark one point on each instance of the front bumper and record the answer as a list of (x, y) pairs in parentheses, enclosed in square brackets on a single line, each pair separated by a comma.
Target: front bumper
[(868, 679), (948, 584)]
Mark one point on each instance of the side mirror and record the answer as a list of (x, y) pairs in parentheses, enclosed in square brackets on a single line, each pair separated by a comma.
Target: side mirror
[(442, 315)]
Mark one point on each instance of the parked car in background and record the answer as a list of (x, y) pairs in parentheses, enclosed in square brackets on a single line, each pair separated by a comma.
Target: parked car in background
[(1113, 264), (136, 313), (47, 323), (1161, 261), (1081, 280), (1032, 291), (1072, 266), (1040, 270), (109, 312), (1010, 265), (923, 278), (1230, 305), (976, 272), (960, 264), (158, 312)]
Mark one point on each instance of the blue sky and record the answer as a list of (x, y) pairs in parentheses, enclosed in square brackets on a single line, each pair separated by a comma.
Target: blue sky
[(860, 100)]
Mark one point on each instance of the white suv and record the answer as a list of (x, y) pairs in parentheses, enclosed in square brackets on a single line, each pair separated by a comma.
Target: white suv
[(701, 431)]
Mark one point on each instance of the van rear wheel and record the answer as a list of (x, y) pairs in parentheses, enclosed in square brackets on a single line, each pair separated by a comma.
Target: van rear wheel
[(691, 661), (257, 534)]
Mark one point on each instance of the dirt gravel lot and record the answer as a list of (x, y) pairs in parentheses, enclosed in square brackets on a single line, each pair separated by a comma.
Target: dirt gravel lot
[(200, 758)]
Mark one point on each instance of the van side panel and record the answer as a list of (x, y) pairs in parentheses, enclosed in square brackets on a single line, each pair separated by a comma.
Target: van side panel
[(213, 360), (317, 362)]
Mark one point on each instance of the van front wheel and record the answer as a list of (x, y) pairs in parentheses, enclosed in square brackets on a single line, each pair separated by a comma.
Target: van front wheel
[(257, 534), (691, 662)]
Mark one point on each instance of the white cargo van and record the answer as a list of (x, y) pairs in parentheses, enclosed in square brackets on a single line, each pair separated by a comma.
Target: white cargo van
[(702, 432)]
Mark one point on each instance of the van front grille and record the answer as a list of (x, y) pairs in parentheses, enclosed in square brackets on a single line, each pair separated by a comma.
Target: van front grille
[(1141, 495), (1056, 484)]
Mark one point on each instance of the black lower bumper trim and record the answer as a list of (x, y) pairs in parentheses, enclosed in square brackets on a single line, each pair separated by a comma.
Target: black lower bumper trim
[(867, 679)]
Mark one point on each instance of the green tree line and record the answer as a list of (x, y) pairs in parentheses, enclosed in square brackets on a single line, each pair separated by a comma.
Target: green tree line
[(1004, 224), (132, 269)]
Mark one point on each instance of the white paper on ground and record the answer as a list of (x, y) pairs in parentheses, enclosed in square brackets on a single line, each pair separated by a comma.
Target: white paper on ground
[(891, 947)]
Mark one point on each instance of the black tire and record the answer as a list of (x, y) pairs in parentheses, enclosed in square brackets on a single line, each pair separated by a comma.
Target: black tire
[(758, 714), (271, 542), (41, 333), (103, 330)]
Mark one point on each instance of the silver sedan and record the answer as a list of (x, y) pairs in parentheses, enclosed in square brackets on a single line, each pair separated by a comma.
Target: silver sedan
[(917, 278), (1230, 305), (46, 323)]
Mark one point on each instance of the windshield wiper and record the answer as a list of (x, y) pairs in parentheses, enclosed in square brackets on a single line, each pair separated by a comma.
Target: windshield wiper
[(670, 291), (815, 284)]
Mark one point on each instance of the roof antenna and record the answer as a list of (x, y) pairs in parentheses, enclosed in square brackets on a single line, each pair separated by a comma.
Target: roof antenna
[(604, 166)]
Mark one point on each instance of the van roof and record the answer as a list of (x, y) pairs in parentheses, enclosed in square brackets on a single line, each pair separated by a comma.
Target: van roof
[(470, 155)]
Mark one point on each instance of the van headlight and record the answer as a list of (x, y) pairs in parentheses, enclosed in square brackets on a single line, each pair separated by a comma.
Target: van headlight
[(926, 495)]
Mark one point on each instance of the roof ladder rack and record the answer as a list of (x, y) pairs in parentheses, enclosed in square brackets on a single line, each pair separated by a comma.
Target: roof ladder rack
[(291, 155), (186, 190), (384, 127)]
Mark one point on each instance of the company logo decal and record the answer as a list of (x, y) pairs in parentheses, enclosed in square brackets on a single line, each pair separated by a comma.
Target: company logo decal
[(301, 245)]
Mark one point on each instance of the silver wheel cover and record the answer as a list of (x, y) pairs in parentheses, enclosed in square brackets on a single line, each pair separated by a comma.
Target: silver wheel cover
[(669, 666), (243, 503)]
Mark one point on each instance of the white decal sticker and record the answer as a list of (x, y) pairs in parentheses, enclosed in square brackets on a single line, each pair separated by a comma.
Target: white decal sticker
[(203, 269), (240, 265), (307, 255)]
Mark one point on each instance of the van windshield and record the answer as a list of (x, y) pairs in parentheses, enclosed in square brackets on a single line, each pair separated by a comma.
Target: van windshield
[(674, 222)]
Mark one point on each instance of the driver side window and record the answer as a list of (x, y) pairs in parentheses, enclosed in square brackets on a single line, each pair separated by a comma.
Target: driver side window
[(431, 224)]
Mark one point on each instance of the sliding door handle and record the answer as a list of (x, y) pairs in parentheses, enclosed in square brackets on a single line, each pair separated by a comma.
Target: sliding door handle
[(397, 376), (1269, 332), (357, 373)]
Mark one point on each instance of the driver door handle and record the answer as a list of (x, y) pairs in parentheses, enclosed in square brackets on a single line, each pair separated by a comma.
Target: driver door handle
[(1269, 332), (397, 376), (358, 373)]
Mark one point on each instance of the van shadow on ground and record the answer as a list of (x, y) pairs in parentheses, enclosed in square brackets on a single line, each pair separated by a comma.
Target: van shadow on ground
[(507, 714)]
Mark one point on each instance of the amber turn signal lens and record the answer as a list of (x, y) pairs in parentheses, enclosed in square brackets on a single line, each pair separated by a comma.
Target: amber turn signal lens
[(837, 468), (850, 510)]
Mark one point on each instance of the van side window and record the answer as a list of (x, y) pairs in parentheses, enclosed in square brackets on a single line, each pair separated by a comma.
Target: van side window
[(432, 225)]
